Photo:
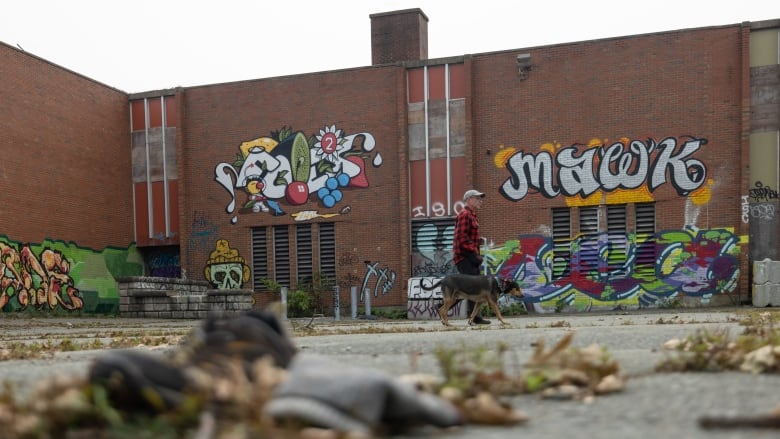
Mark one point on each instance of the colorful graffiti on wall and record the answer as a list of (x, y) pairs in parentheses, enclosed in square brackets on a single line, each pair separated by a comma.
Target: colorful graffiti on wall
[(287, 168), (688, 262), (226, 269), (582, 171), (55, 276)]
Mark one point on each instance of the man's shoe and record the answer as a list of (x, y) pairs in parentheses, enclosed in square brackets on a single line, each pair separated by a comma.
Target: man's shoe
[(478, 320)]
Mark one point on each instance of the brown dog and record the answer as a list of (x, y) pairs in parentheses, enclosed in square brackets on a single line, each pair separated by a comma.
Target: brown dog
[(477, 288)]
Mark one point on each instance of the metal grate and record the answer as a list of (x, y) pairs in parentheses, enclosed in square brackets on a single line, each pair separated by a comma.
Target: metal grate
[(616, 236), (327, 243), (645, 239), (304, 256), (433, 234), (282, 255), (589, 239), (561, 235), (259, 256)]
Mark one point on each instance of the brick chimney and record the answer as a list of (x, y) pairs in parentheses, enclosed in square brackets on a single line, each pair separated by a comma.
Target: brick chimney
[(399, 36)]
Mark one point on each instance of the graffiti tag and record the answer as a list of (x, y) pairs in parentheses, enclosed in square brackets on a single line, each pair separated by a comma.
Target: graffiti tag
[(606, 168), (37, 281), (762, 193)]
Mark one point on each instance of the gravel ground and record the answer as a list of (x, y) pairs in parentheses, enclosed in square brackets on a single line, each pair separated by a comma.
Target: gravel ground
[(652, 405)]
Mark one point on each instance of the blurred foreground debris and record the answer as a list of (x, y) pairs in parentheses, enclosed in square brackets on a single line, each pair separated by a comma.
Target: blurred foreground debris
[(562, 372), (756, 350), (769, 420), (234, 376)]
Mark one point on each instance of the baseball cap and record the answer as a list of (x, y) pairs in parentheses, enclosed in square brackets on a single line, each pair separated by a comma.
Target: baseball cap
[(472, 193)]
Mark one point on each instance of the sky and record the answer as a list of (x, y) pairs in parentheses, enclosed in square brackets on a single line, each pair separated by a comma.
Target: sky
[(145, 45)]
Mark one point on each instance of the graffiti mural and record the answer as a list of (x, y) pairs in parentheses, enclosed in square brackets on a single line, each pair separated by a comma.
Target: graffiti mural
[(37, 280), (55, 276), (584, 170), (287, 168), (432, 249), (689, 262), (226, 269), (424, 304)]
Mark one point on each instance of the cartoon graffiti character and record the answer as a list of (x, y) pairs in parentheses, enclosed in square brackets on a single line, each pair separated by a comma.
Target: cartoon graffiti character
[(287, 166), (261, 167), (225, 269)]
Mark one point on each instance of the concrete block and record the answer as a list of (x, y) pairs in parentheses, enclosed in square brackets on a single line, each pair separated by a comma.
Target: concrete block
[(766, 295), (774, 272), (761, 271)]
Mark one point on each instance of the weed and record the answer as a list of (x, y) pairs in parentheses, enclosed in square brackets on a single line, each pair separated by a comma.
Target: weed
[(669, 303), (755, 350), (391, 314), (513, 309)]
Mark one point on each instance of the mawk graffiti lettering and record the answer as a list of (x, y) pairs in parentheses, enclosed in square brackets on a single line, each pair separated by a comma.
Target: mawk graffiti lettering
[(622, 165), (286, 167)]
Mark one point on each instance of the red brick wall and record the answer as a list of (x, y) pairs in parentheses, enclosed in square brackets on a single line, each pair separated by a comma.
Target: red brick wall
[(66, 146), (677, 84), (65, 155), (215, 120), (674, 84), (684, 83), (399, 36)]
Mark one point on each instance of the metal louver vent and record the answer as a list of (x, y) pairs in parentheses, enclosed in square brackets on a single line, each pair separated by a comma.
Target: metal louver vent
[(259, 256), (282, 255), (327, 243), (304, 256), (589, 245), (645, 239), (561, 235), (616, 235), (433, 234)]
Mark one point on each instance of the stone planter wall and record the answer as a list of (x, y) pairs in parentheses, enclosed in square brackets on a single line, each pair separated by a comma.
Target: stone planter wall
[(170, 298)]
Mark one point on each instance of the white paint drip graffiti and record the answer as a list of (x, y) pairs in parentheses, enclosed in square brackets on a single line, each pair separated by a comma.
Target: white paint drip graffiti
[(385, 280), (616, 167)]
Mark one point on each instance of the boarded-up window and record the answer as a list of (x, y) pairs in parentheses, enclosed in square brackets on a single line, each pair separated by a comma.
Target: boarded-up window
[(437, 139)]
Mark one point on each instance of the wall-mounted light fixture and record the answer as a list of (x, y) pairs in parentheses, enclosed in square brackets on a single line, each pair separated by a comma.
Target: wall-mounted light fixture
[(523, 65)]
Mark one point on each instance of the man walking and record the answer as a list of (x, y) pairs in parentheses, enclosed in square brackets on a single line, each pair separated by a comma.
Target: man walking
[(466, 242)]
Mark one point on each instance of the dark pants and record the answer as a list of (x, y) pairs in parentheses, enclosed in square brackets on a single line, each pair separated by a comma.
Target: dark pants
[(469, 266)]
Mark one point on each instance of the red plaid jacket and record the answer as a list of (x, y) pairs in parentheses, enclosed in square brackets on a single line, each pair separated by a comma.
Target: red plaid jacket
[(466, 239)]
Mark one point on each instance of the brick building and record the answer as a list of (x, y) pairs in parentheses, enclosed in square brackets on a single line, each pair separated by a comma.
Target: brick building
[(631, 171)]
